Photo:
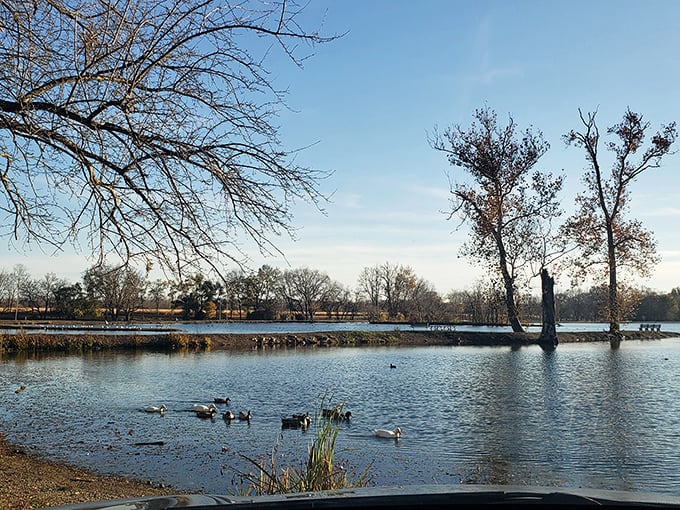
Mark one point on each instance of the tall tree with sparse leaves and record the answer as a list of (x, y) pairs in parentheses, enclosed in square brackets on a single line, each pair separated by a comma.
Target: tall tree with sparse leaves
[(145, 128), (506, 203), (599, 227)]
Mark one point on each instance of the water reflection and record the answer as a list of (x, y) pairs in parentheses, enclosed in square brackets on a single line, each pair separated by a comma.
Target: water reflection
[(582, 415), (256, 328)]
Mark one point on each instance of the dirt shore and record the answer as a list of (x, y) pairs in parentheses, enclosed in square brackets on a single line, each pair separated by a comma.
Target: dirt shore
[(28, 481)]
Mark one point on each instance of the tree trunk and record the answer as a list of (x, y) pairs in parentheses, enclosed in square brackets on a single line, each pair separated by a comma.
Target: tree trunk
[(513, 314), (509, 283), (513, 311), (614, 311), (548, 338)]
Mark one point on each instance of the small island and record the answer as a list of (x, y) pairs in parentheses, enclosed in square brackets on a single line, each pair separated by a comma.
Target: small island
[(75, 343)]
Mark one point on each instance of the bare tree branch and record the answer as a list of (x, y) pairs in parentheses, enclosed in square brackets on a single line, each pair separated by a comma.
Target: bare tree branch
[(145, 128)]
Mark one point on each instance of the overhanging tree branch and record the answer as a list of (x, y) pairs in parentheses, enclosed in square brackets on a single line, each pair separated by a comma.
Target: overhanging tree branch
[(147, 126)]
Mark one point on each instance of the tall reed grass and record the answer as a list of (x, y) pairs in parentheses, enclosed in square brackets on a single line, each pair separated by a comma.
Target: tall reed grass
[(45, 342), (320, 471)]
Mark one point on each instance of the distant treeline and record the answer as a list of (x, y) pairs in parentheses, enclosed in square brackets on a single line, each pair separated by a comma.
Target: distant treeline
[(384, 293)]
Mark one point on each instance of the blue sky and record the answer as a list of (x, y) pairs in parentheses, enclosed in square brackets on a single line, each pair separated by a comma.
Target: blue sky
[(368, 100)]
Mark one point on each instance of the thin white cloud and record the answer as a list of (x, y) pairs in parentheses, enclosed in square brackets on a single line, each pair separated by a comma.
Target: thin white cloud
[(665, 212), (429, 191), (348, 200), (490, 76)]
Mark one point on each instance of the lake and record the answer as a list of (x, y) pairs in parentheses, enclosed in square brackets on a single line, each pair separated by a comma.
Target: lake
[(581, 416), (258, 328)]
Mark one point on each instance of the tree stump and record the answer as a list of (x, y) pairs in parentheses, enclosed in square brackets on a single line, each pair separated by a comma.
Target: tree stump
[(548, 338)]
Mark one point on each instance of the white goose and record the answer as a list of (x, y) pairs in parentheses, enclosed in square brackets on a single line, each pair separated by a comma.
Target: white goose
[(391, 434), (156, 409)]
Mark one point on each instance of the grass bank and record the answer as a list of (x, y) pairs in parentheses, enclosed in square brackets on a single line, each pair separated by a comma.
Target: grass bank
[(78, 343)]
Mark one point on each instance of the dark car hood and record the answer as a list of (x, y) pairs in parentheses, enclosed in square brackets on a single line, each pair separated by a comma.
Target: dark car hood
[(394, 498)]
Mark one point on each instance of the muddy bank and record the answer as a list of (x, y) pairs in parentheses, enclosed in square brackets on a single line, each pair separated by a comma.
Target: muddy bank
[(40, 342)]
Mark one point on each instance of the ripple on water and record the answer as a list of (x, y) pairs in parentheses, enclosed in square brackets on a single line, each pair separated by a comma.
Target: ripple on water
[(582, 416)]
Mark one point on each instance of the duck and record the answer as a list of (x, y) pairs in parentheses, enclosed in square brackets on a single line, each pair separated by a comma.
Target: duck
[(335, 414), (156, 409), (391, 434), (222, 400), (244, 416), (210, 413), (296, 421), (228, 416), (200, 408)]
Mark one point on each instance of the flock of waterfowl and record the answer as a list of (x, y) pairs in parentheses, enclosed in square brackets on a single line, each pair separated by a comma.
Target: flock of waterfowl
[(296, 421), (205, 411)]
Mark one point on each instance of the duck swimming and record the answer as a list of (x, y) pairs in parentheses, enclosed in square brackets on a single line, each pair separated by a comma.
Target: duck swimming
[(244, 416), (156, 409), (336, 414), (200, 408), (391, 434), (205, 411), (297, 421)]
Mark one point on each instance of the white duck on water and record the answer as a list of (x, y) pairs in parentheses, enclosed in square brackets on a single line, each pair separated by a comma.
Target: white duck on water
[(205, 411), (156, 409), (391, 434), (200, 408)]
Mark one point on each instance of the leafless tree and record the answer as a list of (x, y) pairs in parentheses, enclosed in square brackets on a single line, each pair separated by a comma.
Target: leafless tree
[(158, 292), (261, 291), (397, 285), (305, 289), (369, 285), (145, 129), (425, 304), (119, 291), (599, 227), (38, 294)]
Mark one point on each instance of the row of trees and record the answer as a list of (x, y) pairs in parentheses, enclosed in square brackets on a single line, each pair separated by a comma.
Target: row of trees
[(266, 294), (383, 292)]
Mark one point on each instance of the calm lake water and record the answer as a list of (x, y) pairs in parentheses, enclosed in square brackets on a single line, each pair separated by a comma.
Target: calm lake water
[(256, 328), (582, 416)]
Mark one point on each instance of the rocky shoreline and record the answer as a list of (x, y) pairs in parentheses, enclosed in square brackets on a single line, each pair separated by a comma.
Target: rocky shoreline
[(28, 481)]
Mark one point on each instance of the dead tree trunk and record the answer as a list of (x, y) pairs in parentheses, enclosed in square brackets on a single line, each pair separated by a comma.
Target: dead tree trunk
[(548, 338)]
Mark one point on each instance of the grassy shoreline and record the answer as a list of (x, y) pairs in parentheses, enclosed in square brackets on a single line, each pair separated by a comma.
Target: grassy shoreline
[(76, 343)]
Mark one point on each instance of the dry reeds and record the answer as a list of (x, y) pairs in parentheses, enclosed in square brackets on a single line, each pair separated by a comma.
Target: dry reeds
[(320, 472)]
